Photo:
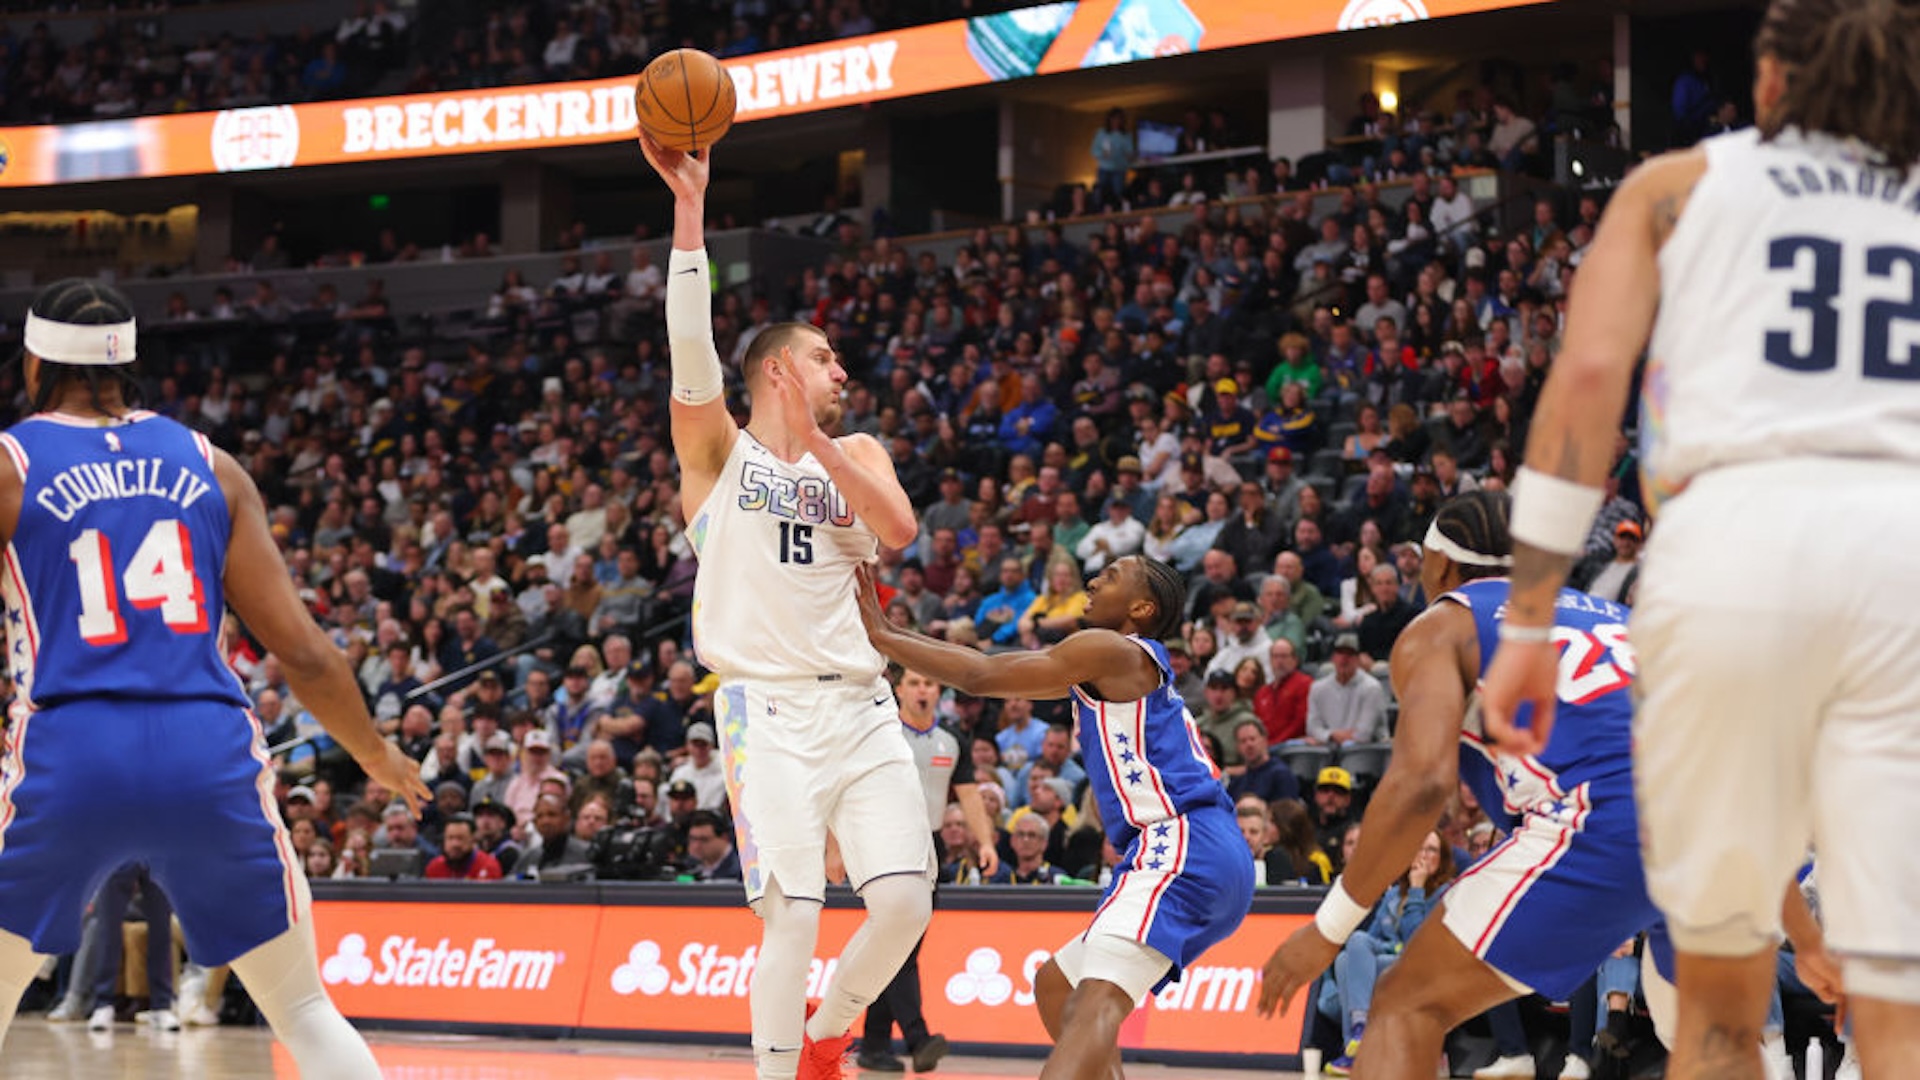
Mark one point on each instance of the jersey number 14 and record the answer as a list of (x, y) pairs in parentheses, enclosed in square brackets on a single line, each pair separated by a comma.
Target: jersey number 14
[(160, 575)]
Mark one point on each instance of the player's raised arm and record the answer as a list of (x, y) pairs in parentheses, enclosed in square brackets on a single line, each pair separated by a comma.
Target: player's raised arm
[(1123, 670), (703, 430), (260, 590), (1429, 678), (1570, 446)]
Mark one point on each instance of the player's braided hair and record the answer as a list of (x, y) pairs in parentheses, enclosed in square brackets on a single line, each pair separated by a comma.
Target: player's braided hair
[(1853, 70), (80, 302), (1169, 595), (1477, 521)]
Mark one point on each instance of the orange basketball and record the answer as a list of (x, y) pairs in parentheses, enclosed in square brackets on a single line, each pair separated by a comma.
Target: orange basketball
[(685, 99)]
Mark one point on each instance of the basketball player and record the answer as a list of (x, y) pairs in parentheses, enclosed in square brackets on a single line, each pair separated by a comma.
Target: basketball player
[(128, 534), (780, 514), (943, 767), (1185, 882), (1776, 270), (1542, 911)]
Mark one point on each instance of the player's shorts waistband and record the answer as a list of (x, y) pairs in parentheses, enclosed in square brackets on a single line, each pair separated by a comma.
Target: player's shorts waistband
[(820, 680)]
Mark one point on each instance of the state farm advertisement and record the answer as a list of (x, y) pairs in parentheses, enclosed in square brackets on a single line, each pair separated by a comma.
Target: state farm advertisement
[(689, 969), (477, 963), (1040, 40)]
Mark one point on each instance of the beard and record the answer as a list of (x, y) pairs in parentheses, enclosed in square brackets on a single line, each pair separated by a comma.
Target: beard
[(828, 415)]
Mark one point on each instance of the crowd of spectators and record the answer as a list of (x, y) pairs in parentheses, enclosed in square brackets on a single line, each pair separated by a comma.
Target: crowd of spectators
[(128, 66)]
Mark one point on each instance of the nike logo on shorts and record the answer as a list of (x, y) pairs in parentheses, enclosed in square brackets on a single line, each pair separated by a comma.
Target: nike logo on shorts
[(880, 701), (692, 270)]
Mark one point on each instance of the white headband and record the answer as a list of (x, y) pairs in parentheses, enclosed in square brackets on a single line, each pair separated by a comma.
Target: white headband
[(1437, 541), (97, 345)]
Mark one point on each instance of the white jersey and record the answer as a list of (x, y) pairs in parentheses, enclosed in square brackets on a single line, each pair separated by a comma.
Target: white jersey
[(1789, 319), (774, 597)]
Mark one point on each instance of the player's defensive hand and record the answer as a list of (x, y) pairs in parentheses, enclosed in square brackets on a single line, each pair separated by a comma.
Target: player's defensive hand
[(790, 394), (399, 774), (1297, 962), (685, 173), (868, 597), (1523, 673)]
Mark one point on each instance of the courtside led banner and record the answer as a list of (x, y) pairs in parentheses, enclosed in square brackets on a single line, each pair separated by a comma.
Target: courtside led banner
[(687, 970), (1041, 40)]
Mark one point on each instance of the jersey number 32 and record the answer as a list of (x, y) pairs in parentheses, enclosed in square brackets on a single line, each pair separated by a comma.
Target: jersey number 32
[(1815, 344), (160, 575)]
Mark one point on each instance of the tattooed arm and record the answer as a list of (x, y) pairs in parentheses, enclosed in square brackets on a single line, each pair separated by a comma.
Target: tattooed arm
[(1609, 319)]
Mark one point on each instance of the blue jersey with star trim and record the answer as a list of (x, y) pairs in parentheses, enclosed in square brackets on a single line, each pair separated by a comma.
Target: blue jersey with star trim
[(1584, 778), (112, 582), (1144, 758)]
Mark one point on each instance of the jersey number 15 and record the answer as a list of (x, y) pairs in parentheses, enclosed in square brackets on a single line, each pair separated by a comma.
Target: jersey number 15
[(160, 575)]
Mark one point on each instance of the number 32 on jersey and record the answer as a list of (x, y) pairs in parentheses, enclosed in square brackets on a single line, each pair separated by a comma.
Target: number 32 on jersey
[(160, 575)]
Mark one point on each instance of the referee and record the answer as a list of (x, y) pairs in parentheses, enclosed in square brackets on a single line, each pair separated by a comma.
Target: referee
[(943, 764)]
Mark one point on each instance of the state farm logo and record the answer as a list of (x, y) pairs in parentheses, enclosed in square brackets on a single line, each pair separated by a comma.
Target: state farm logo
[(1362, 14), (702, 970), (982, 981), (404, 961), (1201, 988), (349, 964), (262, 138), (643, 972)]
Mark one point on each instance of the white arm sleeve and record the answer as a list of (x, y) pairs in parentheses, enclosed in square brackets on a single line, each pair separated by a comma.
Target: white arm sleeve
[(696, 364)]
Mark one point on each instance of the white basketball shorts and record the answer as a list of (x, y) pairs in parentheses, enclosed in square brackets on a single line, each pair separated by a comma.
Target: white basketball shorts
[(1778, 627), (806, 756)]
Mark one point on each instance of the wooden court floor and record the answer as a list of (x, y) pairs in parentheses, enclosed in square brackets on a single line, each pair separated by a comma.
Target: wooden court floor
[(37, 1050)]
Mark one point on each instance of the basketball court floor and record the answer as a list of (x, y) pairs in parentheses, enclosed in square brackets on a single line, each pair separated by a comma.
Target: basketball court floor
[(37, 1050)]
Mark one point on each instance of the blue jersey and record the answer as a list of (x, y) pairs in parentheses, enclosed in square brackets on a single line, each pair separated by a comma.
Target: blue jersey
[(1144, 758), (113, 579), (1584, 779)]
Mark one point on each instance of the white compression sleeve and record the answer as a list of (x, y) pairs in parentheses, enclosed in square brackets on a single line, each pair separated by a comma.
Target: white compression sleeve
[(898, 909), (283, 978), (778, 1000), (696, 364)]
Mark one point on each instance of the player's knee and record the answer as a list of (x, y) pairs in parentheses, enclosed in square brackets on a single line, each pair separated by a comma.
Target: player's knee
[(899, 904), (1411, 1000)]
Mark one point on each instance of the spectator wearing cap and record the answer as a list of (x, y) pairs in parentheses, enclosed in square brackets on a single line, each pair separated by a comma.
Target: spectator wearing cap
[(497, 755), (493, 833), (1391, 613), (710, 851), (574, 710), (952, 510), (461, 858), (1283, 486), (1259, 772), (553, 846), (920, 600), (1188, 682), (1423, 502), (1129, 486), (1228, 425), (1119, 535), (1613, 578), (1245, 639), (1347, 704), (1224, 711), (1332, 809), (1255, 531), (536, 766), (703, 769), (300, 804)]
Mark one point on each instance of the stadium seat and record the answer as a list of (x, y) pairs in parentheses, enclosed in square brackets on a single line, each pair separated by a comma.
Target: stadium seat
[(1366, 761), (1305, 762)]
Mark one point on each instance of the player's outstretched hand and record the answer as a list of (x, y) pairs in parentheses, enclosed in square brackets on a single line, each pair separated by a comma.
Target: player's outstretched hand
[(1523, 673), (1297, 962), (685, 173), (400, 774), (868, 597)]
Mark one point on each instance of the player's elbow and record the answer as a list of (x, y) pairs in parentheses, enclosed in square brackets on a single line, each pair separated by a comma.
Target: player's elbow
[(897, 530), (308, 659)]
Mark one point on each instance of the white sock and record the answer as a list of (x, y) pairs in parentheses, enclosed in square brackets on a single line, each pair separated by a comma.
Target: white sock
[(898, 909), (778, 1000), (283, 978), (18, 965)]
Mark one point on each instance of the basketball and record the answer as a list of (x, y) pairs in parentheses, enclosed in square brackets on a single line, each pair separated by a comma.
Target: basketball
[(685, 99)]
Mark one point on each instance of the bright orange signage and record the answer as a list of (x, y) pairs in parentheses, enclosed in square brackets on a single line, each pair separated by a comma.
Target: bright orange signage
[(688, 969), (1040, 40)]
